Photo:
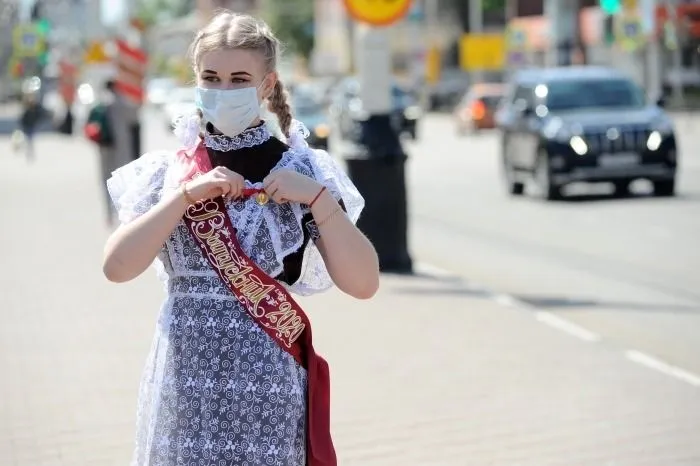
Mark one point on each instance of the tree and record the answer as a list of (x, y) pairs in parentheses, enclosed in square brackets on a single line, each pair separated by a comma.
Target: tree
[(156, 11), (293, 22)]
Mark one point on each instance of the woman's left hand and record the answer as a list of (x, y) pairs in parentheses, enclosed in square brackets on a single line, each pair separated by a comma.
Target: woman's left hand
[(290, 186)]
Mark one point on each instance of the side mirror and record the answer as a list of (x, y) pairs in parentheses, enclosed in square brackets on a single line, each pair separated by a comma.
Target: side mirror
[(661, 102)]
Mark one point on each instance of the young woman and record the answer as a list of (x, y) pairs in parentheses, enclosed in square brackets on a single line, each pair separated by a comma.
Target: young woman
[(235, 220)]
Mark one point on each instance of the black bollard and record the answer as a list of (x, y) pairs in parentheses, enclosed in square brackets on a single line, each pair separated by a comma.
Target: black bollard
[(376, 167), (136, 140), (66, 126)]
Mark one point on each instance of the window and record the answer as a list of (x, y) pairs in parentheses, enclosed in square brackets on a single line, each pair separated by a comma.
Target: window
[(593, 93)]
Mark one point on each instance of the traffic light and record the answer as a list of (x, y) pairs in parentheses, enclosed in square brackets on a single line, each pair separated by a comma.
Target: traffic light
[(611, 7), (43, 26)]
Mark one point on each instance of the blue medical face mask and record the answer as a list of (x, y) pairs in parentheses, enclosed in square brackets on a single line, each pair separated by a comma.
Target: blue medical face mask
[(231, 111)]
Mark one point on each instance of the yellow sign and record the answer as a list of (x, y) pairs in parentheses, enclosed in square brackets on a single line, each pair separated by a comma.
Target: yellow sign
[(482, 52), (377, 12), (96, 54), (432, 65), (27, 41)]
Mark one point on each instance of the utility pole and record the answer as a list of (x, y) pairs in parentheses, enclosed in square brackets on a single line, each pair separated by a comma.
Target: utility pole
[(562, 17), (476, 26), (672, 19)]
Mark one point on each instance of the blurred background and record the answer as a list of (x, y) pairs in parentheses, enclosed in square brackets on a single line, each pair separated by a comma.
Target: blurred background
[(532, 176)]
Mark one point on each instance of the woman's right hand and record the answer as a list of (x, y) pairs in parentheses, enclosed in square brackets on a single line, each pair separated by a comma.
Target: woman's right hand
[(218, 182)]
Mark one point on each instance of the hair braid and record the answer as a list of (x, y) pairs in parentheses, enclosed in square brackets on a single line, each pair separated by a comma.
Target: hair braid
[(279, 105)]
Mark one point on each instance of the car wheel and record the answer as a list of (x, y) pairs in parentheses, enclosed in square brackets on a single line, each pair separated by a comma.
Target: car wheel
[(515, 188), (665, 188), (543, 178)]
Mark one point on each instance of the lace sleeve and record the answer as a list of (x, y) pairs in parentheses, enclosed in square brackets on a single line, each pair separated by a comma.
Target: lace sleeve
[(137, 186), (322, 167)]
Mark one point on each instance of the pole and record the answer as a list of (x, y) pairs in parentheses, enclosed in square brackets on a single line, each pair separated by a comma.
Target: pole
[(676, 54), (376, 161), (476, 26), (562, 17)]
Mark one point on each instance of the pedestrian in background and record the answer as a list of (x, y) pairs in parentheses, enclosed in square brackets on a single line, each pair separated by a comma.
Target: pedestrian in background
[(99, 128), (236, 220), (32, 115)]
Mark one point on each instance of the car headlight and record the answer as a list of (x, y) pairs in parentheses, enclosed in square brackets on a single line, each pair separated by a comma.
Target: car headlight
[(322, 131), (572, 135), (412, 113)]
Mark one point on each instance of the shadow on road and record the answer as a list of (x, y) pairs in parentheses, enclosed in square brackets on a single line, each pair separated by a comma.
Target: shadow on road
[(564, 303), (633, 197)]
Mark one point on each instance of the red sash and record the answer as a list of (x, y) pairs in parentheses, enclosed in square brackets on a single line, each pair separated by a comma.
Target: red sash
[(274, 310)]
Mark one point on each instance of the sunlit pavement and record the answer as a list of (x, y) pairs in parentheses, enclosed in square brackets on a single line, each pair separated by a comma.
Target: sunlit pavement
[(524, 344)]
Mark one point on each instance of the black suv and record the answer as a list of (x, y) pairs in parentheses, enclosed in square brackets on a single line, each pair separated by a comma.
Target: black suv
[(583, 124)]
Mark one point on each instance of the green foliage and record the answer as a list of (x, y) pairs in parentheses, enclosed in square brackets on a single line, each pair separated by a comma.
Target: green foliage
[(156, 11), (292, 21), (493, 5)]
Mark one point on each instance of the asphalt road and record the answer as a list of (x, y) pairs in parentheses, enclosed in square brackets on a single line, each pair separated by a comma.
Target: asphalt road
[(483, 384), (626, 269)]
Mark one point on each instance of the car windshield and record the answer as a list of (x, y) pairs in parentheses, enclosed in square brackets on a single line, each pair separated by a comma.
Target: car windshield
[(588, 93), (306, 103), (402, 97)]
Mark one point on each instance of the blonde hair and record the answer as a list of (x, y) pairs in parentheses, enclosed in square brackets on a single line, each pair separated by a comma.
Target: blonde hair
[(229, 30)]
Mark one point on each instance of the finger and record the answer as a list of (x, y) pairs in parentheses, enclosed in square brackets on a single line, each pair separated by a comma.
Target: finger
[(225, 187), (278, 195), (269, 179), (272, 189)]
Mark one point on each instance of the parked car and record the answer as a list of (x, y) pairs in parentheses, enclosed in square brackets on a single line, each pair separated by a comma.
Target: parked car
[(584, 124), (181, 101), (347, 109), (308, 108), (477, 108), (446, 92)]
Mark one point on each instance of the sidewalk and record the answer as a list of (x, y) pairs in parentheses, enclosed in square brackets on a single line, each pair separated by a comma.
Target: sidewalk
[(429, 372)]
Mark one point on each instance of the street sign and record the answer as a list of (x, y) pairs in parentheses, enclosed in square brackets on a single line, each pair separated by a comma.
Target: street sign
[(631, 33), (482, 52), (377, 12), (96, 54), (27, 41)]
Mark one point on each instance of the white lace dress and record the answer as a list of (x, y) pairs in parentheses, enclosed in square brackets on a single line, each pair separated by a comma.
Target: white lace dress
[(216, 389)]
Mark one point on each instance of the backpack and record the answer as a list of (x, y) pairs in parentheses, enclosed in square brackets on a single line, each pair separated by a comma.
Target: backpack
[(97, 127)]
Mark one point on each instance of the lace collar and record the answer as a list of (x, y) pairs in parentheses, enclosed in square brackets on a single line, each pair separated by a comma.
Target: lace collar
[(249, 138)]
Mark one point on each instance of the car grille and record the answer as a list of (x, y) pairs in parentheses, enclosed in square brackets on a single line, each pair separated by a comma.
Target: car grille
[(630, 138)]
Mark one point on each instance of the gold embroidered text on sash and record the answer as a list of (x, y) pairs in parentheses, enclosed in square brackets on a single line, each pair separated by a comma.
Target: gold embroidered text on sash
[(269, 308)]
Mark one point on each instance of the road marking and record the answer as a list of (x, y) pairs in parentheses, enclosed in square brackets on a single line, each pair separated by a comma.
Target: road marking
[(665, 368), (509, 301), (569, 327), (433, 270), (566, 326)]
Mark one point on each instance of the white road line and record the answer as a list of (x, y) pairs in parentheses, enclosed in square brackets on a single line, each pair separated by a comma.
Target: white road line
[(566, 326), (434, 270), (665, 368), (509, 301), (571, 328)]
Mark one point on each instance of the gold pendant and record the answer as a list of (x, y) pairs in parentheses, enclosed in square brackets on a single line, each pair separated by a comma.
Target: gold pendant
[(262, 198)]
